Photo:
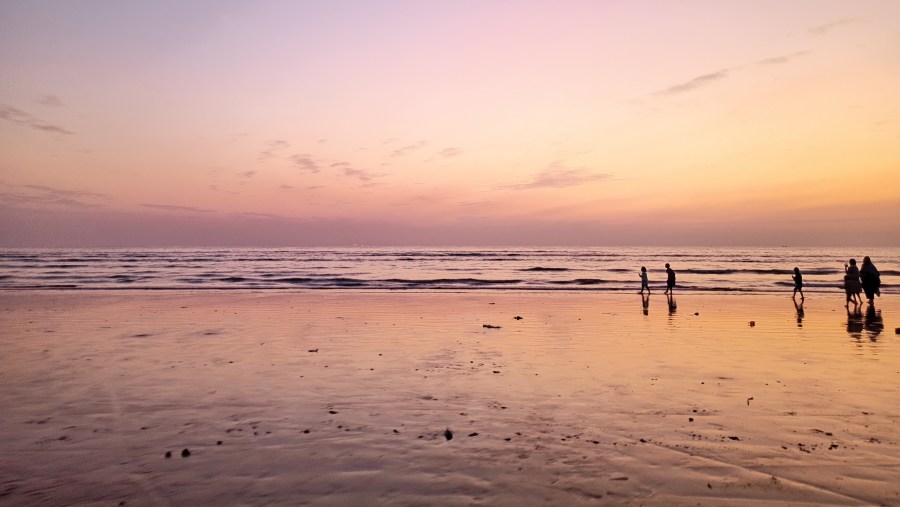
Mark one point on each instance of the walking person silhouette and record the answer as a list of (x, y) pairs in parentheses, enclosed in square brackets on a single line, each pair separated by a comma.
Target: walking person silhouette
[(670, 280), (798, 284)]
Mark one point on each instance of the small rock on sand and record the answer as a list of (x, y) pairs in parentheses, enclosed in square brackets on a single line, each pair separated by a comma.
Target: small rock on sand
[(448, 434), (185, 453)]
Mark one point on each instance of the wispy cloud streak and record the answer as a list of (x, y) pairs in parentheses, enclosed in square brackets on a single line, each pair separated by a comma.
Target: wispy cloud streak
[(172, 207), (558, 176), (828, 27), (694, 83), (24, 119), (781, 60), (399, 152), (305, 162), (43, 196)]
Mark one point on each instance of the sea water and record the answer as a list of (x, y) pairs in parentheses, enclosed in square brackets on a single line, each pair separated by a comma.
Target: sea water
[(704, 269)]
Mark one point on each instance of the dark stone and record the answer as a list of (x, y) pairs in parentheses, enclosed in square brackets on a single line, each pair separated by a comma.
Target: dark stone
[(185, 453), (219, 442), (448, 434), (168, 454), (474, 434)]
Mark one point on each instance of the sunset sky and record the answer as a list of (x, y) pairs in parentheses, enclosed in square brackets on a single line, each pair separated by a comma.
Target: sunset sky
[(669, 122)]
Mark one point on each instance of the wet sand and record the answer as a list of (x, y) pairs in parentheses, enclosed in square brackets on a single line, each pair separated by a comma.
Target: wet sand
[(348, 398)]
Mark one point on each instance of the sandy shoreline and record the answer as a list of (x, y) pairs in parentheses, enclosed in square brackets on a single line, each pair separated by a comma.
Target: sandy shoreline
[(585, 400)]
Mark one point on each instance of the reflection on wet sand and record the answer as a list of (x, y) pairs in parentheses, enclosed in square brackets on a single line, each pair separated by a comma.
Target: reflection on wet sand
[(854, 321), (645, 303), (874, 322), (800, 312), (348, 398)]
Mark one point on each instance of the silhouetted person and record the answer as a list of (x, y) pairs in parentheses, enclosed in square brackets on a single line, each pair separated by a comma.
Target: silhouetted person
[(798, 284), (645, 284), (852, 286), (871, 280), (670, 279), (800, 312), (854, 322), (645, 302), (873, 323)]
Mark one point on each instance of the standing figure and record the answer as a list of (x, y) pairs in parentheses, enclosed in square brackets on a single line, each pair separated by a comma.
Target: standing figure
[(798, 284), (851, 283), (871, 280), (645, 284), (670, 280)]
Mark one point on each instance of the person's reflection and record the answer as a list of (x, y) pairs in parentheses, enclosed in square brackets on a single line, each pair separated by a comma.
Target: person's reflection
[(672, 306), (645, 303), (873, 323), (800, 312), (854, 321)]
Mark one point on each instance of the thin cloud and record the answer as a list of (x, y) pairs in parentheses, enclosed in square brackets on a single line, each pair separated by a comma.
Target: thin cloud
[(17, 199), (66, 193), (305, 162), (172, 207), (444, 154), (272, 148), (449, 152), (558, 176), (43, 196), (399, 152), (694, 83), (781, 60), (286, 187), (24, 119), (359, 173), (253, 214), (50, 101), (828, 27), (247, 174)]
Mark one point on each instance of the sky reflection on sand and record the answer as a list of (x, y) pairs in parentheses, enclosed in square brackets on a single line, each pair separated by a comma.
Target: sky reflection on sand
[(584, 398)]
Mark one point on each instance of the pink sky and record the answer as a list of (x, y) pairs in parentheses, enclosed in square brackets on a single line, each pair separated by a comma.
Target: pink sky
[(449, 123)]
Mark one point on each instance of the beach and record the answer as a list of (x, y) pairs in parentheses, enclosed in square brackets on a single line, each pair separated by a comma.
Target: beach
[(342, 397)]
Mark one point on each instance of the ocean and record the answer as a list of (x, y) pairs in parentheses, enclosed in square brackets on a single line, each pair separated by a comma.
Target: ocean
[(703, 269)]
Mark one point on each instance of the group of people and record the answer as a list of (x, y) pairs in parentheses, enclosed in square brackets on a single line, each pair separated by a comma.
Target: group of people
[(865, 279), (670, 280), (856, 281)]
